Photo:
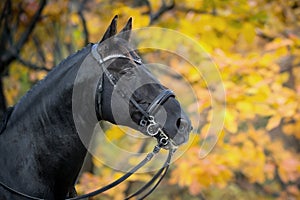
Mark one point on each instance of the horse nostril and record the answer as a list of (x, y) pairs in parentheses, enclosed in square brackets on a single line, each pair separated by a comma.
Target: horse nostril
[(182, 124)]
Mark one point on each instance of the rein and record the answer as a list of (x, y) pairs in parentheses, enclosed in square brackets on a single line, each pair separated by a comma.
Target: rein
[(159, 175), (147, 122)]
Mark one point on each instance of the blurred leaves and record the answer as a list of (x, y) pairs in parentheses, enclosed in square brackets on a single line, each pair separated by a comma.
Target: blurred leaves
[(256, 46)]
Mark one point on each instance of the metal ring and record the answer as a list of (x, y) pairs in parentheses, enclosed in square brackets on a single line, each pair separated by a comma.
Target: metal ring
[(164, 141)]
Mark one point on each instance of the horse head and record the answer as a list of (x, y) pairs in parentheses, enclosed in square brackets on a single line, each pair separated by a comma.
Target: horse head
[(130, 95)]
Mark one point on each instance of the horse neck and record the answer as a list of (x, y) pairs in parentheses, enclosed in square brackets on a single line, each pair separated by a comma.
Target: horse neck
[(50, 102), (43, 121)]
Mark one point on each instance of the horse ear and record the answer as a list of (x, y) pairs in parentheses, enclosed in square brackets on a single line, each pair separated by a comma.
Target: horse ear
[(111, 30), (126, 31)]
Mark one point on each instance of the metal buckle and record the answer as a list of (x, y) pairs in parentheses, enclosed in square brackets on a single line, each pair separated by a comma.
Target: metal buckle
[(153, 127), (163, 138), (143, 122)]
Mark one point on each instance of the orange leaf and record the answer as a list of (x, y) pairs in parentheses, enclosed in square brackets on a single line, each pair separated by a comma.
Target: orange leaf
[(273, 122)]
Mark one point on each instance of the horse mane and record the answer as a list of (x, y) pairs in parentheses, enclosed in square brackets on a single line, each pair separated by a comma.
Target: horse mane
[(67, 63), (72, 60)]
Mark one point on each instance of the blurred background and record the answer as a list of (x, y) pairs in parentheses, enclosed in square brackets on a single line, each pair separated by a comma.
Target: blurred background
[(256, 46)]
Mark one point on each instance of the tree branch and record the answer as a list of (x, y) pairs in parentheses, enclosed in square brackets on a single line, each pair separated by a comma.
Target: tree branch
[(39, 49), (17, 24), (83, 21), (14, 50), (6, 37), (195, 10), (31, 65), (31, 26), (4, 22), (3, 13), (163, 8)]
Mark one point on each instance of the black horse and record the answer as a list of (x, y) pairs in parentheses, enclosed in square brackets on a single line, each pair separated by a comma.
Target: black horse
[(40, 146)]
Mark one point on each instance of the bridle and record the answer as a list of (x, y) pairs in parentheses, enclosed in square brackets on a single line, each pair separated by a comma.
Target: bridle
[(147, 122)]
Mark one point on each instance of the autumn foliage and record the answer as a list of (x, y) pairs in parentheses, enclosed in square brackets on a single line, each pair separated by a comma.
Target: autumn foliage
[(255, 45)]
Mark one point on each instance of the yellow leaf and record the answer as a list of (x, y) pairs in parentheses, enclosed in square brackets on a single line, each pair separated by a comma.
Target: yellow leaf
[(254, 79), (74, 18), (249, 32), (273, 122), (288, 109), (244, 106), (263, 109), (231, 121), (220, 23)]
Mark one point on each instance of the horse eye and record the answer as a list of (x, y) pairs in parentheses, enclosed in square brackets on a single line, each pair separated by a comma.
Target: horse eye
[(123, 71), (127, 71)]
